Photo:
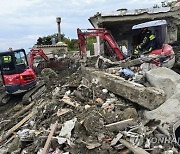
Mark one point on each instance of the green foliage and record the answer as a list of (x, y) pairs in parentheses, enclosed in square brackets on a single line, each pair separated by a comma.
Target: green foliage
[(168, 4), (47, 40), (165, 4), (72, 43), (89, 44)]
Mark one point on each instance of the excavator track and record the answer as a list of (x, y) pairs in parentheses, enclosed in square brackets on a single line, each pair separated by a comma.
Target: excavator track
[(34, 93), (4, 98)]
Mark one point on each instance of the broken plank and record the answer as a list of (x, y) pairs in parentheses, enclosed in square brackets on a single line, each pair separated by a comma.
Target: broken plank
[(25, 109), (121, 125), (60, 112), (68, 101), (48, 141), (10, 131), (134, 149)]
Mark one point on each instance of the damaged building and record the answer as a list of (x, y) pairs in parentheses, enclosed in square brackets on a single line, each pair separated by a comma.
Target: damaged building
[(120, 24)]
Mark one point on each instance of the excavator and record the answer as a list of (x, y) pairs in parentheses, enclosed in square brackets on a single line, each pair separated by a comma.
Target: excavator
[(164, 53), (18, 76)]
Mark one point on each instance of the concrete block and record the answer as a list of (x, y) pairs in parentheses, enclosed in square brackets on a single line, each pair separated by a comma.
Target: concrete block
[(148, 97), (169, 81)]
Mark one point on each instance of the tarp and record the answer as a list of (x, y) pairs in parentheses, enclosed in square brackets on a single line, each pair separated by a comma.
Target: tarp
[(150, 24)]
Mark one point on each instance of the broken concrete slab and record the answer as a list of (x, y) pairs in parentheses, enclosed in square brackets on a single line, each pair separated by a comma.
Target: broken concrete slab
[(121, 125), (148, 97), (169, 81), (103, 63), (164, 79)]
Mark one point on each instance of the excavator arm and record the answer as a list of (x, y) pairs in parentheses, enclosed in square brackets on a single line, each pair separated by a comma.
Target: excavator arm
[(101, 32), (34, 53)]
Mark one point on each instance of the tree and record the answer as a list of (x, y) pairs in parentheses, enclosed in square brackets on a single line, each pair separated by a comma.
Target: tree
[(89, 44), (168, 4), (48, 40), (39, 41)]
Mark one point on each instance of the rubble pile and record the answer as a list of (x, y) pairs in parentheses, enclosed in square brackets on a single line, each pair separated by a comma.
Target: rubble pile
[(93, 111), (176, 48)]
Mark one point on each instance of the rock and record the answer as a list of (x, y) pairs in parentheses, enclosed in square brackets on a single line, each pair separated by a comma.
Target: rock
[(129, 113), (99, 101), (87, 107), (91, 123), (14, 145), (169, 81), (116, 139), (48, 72), (67, 128), (17, 107), (165, 79), (109, 104)]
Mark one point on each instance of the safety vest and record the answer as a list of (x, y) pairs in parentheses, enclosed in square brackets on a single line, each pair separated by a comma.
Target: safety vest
[(7, 59), (152, 37)]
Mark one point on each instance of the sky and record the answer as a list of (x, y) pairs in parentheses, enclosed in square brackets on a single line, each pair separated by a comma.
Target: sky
[(23, 21)]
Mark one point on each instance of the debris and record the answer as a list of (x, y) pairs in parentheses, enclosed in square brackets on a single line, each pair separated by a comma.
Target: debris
[(97, 113), (9, 132), (68, 101), (62, 111), (116, 139), (48, 72), (164, 79), (126, 73), (163, 130), (121, 125), (129, 113), (105, 91), (26, 134), (148, 97), (135, 150), (168, 152), (48, 141), (25, 109), (99, 101), (169, 82), (109, 104), (103, 63), (91, 146), (56, 91), (67, 128), (87, 107)]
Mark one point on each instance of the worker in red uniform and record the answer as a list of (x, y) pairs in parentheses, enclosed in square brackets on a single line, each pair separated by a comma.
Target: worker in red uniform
[(147, 42)]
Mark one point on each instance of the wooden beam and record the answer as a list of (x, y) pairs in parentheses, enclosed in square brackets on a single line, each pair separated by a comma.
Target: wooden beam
[(48, 141), (14, 128)]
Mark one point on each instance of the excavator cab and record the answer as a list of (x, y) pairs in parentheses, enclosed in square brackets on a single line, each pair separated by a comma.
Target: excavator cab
[(17, 77)]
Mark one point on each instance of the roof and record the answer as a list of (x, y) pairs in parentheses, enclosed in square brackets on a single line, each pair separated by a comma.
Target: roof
[(125, 12), (136, 15), (51, 46)]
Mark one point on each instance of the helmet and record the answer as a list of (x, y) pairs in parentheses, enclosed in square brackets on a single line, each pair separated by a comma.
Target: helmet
[(145, 29)]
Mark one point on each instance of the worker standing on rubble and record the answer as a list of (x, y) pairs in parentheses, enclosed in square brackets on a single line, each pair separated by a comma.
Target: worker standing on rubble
[(147, 43)]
